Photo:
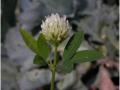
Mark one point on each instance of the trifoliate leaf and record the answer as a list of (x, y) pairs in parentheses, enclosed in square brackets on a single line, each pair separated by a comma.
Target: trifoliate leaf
[(43, 47), (29, 40)]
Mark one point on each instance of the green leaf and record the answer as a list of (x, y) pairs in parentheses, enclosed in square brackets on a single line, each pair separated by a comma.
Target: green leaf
[(67, 67), (29, 40), (86, 56), (70, 49), (43, 47), (72, 45), (39, 60)]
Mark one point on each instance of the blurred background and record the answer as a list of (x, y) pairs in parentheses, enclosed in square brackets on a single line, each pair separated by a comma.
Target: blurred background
[(98, 19)]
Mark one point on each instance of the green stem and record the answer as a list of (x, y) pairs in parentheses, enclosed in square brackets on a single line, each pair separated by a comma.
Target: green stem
[(54, 70), (53, 80)]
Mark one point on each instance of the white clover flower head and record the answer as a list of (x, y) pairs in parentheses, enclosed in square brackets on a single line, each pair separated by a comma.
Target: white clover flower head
[(55, 28)]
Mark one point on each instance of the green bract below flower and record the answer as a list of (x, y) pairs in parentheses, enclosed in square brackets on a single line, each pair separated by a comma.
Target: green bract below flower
[(55, 29)]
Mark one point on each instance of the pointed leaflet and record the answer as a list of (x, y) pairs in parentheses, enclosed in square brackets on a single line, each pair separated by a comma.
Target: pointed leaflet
[(86, 56), (39, 61), (72, 45), (29, 40), (70, 49), (43, 47)]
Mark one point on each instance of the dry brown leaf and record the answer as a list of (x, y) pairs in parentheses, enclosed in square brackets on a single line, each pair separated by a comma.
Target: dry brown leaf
[(105, 81)]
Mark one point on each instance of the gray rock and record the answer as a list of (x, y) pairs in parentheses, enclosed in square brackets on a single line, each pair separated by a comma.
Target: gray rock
[(102, 14), (9, 75), (17, 51), (34, 11), (68, 80), (35, 79)]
